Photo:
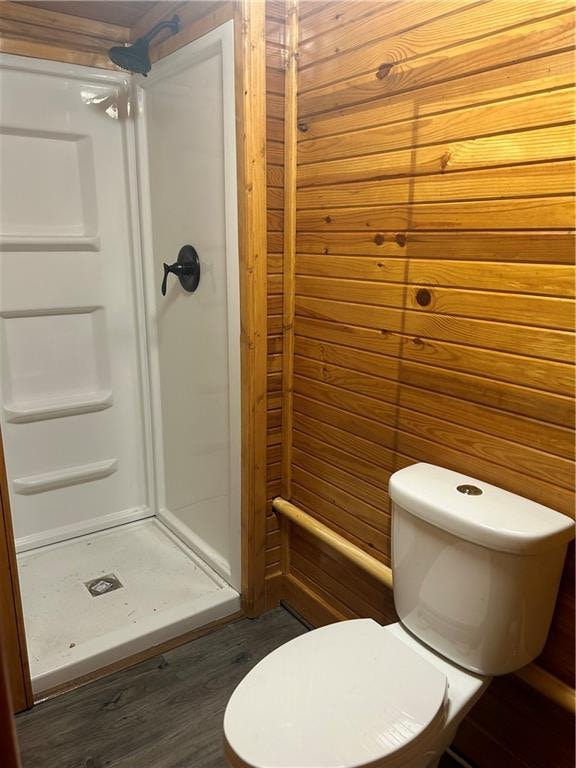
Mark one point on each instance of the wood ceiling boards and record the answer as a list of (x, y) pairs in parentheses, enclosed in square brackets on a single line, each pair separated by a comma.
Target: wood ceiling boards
[(125, 14)]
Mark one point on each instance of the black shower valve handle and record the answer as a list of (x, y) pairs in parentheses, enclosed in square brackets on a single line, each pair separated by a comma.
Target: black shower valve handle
[(186, 269), (167, 269), (180, 270)]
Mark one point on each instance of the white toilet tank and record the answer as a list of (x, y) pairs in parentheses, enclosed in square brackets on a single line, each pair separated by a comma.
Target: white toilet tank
[(476, 568)]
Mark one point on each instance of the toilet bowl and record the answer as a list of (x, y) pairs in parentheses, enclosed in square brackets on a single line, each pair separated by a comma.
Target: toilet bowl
[(476, 573), (351, 695)]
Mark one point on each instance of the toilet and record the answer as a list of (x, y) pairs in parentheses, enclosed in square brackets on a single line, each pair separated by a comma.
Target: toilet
[(476, 572)]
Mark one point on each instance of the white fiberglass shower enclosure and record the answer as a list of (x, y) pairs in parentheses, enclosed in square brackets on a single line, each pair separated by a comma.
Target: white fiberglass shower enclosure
[(120, 406)]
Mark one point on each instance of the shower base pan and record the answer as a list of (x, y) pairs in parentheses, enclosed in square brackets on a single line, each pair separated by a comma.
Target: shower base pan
[(97, 599)]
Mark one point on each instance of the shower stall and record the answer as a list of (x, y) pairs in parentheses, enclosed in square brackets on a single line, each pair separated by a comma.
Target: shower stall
[(120, 406)]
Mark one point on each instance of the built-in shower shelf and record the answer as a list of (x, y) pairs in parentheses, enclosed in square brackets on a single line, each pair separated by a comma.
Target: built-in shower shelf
[(49, 242), (54, 409), (62, 478)]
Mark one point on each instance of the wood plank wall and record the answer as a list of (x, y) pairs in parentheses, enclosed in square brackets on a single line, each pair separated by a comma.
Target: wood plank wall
[(43, 34), (275, 70), (70, 37), (434, 291)]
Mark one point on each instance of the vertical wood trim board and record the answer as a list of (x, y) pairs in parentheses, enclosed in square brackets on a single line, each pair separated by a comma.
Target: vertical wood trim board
[(434, 288), (290, 149), (251, 141), (8, 740), (12, 625), (277, 58)]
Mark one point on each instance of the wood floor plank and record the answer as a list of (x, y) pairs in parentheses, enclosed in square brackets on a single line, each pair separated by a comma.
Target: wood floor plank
[(164, 713)]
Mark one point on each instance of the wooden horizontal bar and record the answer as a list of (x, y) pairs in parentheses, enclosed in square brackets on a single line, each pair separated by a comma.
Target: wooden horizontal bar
[(549, 686), (363, 560), (536, 677)]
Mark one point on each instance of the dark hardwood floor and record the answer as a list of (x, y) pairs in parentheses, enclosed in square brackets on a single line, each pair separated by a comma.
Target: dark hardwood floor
[(164, 713)]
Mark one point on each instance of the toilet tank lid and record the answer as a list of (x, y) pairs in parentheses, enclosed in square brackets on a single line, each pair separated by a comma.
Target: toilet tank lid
[(493, 517)]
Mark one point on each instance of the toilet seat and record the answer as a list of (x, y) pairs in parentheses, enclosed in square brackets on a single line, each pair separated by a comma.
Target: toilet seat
[(343, 696)]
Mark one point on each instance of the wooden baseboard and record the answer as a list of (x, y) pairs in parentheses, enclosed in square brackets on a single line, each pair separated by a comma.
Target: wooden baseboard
[(273, 591), (307, 603), (137, 658)]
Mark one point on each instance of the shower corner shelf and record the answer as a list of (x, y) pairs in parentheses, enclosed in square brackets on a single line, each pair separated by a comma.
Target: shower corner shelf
[(62, 478), (50, 243), (53, 409)]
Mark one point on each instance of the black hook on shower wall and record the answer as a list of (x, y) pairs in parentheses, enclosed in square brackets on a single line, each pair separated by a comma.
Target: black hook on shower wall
[(136, 58)]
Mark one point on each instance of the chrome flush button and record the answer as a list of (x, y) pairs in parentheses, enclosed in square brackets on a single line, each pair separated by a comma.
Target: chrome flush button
[(469, 490)]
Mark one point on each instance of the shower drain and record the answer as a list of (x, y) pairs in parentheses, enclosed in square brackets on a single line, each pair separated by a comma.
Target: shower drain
[(103, 584)]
